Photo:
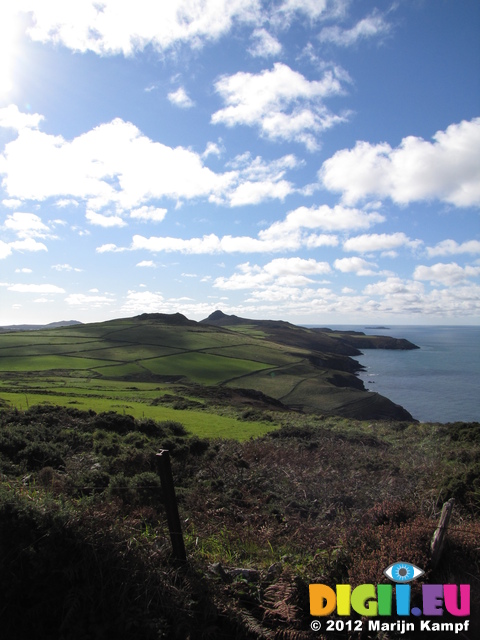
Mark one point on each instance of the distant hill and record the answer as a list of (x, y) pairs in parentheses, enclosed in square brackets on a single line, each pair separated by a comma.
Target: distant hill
[(338, 342), (36, 327)]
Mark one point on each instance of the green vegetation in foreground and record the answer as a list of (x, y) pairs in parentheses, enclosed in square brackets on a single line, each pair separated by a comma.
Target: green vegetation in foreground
[(85, 550), (205, 423)]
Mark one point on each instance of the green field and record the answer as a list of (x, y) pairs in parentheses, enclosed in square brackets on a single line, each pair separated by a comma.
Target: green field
[(123, 365)]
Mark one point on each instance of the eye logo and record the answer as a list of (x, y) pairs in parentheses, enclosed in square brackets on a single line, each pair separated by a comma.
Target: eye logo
[(403, 572)]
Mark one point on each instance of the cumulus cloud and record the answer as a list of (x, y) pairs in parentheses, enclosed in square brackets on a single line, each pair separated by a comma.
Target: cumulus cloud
[(397, 296), (380, 242), (109, 248), (113, 27), (280, 272), (394, 286), (143, 302), (446, 274), (258, 180), (356, 265), (325, 218), (115, 165), (148, 214), (446, 169), (281, 102), (451, 247), (12, 118), (28, 244), (180, 98), (104, 221), (297, 230), (26, 225)]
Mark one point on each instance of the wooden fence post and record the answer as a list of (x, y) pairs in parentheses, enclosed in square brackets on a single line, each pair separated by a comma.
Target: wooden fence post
[(171, 507), (438, 539)]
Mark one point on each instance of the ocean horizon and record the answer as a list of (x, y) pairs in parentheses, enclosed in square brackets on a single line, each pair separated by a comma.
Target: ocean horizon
[(439, 382)]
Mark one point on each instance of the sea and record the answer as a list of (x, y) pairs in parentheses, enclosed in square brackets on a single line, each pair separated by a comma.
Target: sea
[(439, 382)]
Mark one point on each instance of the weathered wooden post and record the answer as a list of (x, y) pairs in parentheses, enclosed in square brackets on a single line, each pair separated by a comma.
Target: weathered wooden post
[(171, 507), (438, 539)]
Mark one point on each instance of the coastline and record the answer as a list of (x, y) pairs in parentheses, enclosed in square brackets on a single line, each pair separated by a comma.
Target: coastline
[(437, 383)]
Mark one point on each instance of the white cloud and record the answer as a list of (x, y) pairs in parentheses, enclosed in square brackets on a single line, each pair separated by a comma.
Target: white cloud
[(35, 288), (115, 165), (399, 297), (12, 118), (287, 235), (12, 203), (144, 302), (394, 286), (356, 265), (451, 247), (446, 274), (180, 98), (66, 202), (326, 218), (212, 149), (379, 242), (113, 27), (446, 169), (280, 272), (369, 27), (29, 244), (145, 263), (26, 225), (281, 102), (256, 192), (5, 250), (313, 9), (295, 266), (24, 270), (257, 180), (265, 45), (104, 221), (148, 214), (109, 248), (65, 267)]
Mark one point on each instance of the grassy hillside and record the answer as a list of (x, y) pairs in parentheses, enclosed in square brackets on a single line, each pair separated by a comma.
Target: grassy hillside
[(141, 357), (84, 544)]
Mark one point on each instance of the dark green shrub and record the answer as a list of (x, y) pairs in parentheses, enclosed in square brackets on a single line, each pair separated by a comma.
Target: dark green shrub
[(137, 440), (150, 428), (42, 454), (464, 431), (147, 487), (170, 426), (111, 421), (198, 446)]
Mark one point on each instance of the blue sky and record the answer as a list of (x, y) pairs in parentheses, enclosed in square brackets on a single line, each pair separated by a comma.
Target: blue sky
[(316, 161)]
